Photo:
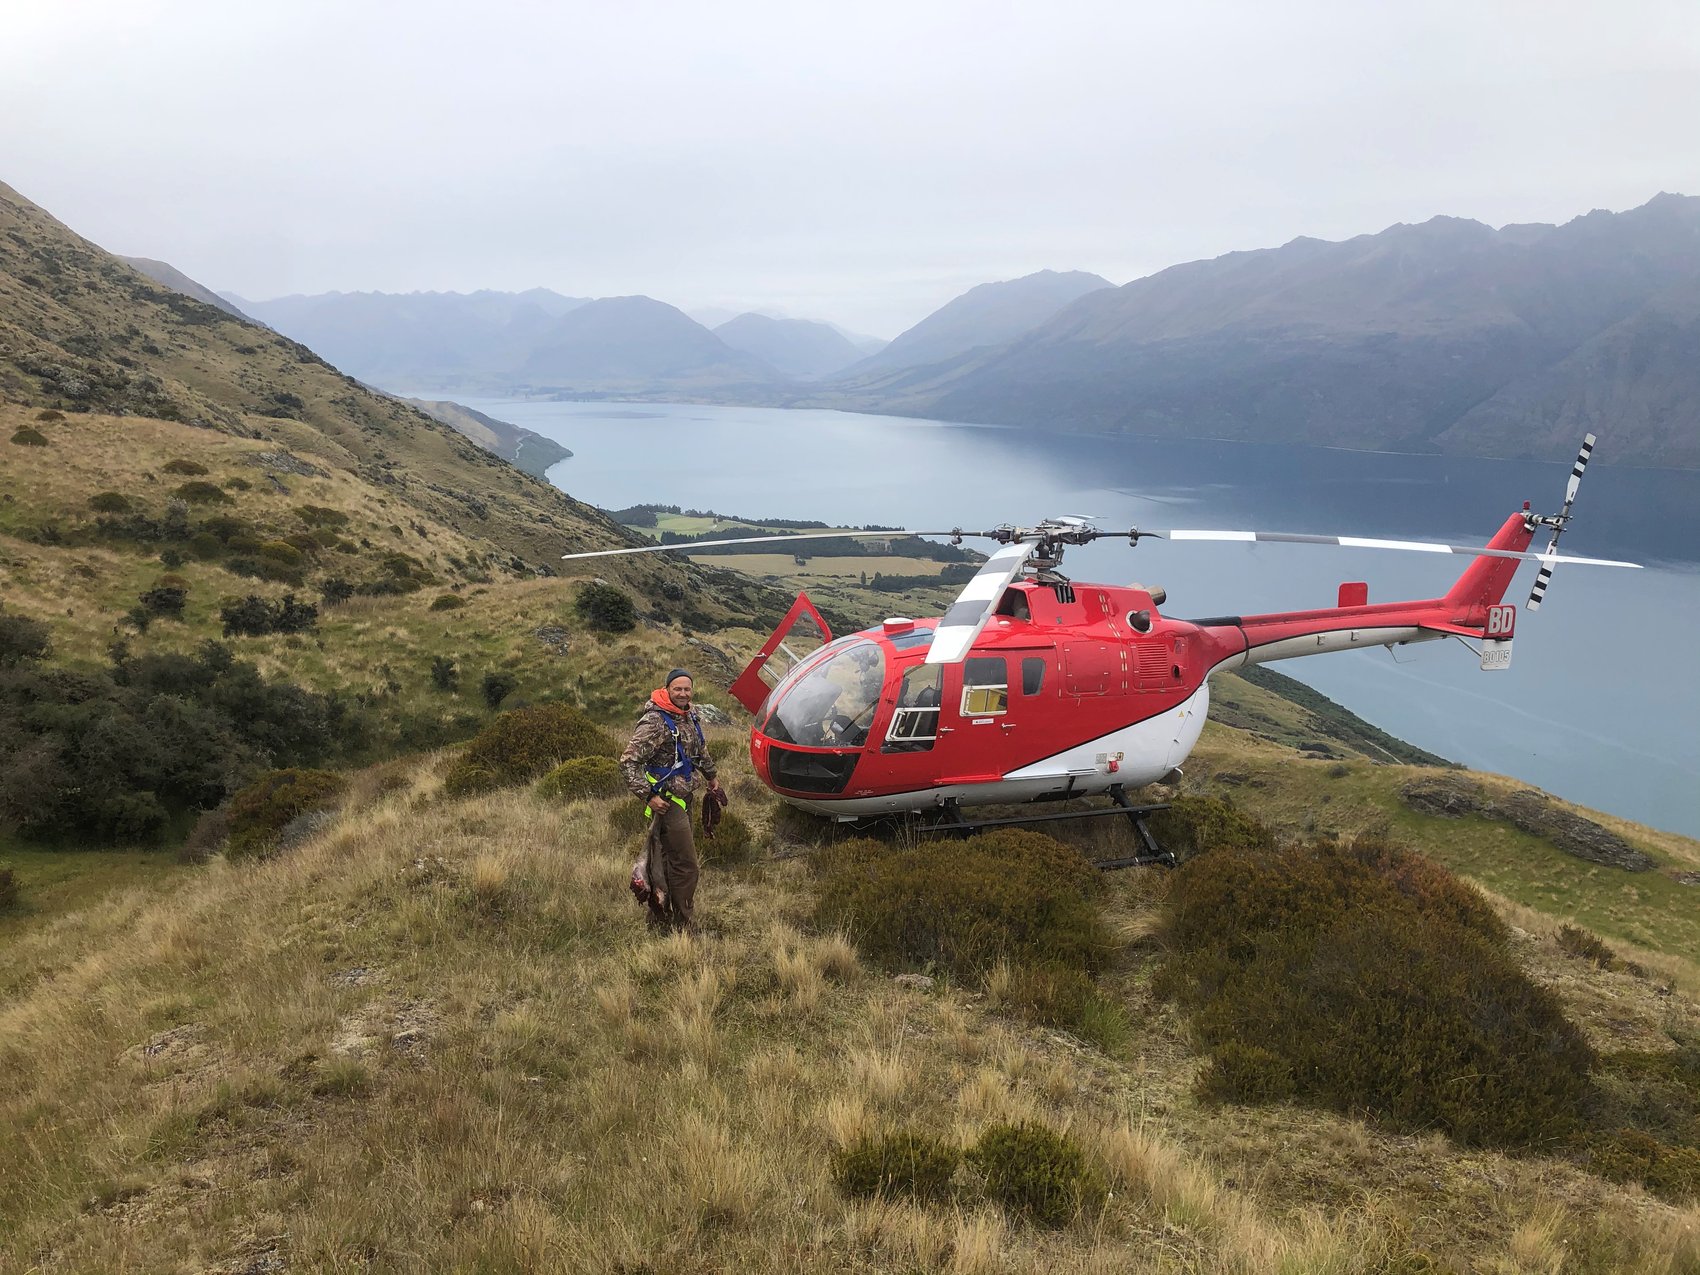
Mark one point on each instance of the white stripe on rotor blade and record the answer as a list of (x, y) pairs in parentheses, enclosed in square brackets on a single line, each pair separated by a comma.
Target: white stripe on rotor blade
[(688, 546), (973, 606), (1415, 546)]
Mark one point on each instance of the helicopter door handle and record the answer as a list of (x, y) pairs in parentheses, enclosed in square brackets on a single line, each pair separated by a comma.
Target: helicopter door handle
[(945, 730), (1009, 725)]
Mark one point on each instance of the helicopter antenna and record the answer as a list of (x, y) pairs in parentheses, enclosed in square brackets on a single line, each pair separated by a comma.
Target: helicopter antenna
[(1559, 521)]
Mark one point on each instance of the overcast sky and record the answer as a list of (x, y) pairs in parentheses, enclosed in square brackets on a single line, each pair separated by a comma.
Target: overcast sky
[(858, 162)]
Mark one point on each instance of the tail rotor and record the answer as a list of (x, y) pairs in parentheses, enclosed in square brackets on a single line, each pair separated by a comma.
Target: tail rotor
[(1560, 521)]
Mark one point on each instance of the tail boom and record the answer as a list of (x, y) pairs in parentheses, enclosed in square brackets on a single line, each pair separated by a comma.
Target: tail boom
[(1465, 610)]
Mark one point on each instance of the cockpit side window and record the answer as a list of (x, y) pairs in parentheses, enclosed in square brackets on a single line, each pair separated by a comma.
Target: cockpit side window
[(915, 725), (1014, 604)]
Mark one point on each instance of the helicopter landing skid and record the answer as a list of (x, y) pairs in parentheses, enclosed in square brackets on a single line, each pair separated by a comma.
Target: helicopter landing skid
[(950, 821)]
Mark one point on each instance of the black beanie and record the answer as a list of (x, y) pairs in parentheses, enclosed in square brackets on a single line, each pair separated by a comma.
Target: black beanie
[(677, 673)]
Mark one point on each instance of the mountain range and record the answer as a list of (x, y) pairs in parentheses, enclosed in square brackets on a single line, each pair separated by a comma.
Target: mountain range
[(1446, 336)]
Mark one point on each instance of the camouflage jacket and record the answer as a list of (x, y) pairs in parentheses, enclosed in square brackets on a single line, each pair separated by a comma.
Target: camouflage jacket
[(653, 750)]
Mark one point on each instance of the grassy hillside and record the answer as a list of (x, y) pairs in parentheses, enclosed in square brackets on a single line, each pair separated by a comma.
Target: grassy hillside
[(436, 1036)]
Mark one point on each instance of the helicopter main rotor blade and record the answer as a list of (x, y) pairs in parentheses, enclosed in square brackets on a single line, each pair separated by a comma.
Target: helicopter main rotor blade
[(973, 606), (1365, 542), (689, 545)]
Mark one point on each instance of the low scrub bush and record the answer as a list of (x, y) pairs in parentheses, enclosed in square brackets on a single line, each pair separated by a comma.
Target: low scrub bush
[(1037, 1174), (1245, 1073), (1628, 1155), (626, 819), (604, 607), (447, 602), (253, 616), (445, 674), (965, 906), (583, 779), (188, 468), (9, 889), (261, 811), (202, 493), (208, 836), (1192, 825), (731, 844), (22, 641), (28, 437), (522, 745), (50, 414), (1381, 985), (1585, 945), (1054, 995), (497, 687), (906, 1163), (109, 502)]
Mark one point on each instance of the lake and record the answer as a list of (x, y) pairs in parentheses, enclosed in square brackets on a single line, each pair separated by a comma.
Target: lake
[(1600, 706)]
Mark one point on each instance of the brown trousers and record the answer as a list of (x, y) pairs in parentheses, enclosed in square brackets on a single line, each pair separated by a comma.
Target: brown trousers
[(673, 867)]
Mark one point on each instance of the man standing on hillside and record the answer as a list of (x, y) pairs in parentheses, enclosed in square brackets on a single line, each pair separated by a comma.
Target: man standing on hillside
[(661, 764)]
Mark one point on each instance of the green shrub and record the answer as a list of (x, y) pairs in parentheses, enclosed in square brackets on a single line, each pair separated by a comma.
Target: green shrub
[(1245, 1073), (209, 835), (582, 779), (281, 552), (9, 887), (253, 616), (1379, 985), (523, 744), (1053, 995), (1037, 1174), (320, 516), (904, 1163), (445, 676), (496, 687), (447, 602), (732, 843), (165, 600), (1192, 825), (261, 811), (238, 484), (188, 468), (964, 906), (1628, 1155), (205, 546), (1585, 945), (23, 640), (50, 414), (604, 607), (27, 437), (109, 502), (199, 493)]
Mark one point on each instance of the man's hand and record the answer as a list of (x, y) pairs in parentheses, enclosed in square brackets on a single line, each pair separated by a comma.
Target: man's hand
[(658, 803)]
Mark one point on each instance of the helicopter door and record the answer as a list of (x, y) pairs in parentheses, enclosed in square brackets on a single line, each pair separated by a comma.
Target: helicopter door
[(1093, 668)]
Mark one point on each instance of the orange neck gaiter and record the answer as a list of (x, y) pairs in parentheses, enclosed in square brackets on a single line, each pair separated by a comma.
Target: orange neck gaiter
[(662, 701)]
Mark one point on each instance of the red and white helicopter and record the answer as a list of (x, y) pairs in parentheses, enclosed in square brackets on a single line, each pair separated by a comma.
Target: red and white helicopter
[(1033, 687)]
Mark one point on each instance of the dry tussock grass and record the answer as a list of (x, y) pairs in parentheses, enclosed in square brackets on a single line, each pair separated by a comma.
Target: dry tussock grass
[(541, 1084)]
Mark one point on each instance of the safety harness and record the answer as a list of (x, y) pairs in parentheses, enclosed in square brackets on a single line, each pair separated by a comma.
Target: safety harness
[(682, 766)]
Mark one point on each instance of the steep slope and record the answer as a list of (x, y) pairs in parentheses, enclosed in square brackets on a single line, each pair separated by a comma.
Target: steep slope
[(635, 342), (795, 347), (170, 276), (1446, 335), (83, 333), (990, 314), (419, 340), (363, 1053)]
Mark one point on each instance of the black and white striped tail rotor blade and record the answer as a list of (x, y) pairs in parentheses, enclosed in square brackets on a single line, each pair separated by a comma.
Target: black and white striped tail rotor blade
[(1576, 473), (1544, 576), (973, 606), (690, 546), (1367, 542)]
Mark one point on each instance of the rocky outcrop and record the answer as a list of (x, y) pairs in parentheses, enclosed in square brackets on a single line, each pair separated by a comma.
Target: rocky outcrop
[(1453, 797)]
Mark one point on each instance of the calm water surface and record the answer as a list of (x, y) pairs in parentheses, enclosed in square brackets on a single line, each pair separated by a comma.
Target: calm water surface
[(1602, 701)]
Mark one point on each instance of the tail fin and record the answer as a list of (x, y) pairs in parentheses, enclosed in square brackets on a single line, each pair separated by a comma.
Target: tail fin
[(1485, 580)]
